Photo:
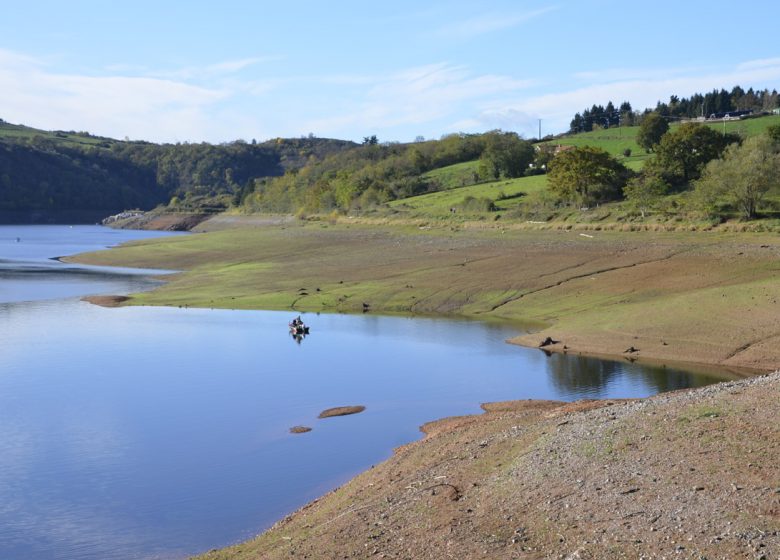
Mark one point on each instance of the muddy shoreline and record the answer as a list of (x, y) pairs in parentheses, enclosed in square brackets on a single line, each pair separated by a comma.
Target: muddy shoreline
[(688, 474)]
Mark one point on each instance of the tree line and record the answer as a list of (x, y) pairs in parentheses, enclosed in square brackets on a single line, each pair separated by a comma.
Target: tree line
[(716, 102)]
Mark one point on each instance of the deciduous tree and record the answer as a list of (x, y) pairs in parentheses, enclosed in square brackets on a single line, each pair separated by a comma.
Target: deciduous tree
[(743, 177), (652, 129), (644, 192), (586, 175), (682, 154), (505, 155)]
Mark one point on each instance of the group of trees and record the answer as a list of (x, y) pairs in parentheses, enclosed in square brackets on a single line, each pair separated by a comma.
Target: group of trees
[(599, 116), (721, 173), (743, 177), (586, 176), (375, 173), (716, 102), (55, 174)]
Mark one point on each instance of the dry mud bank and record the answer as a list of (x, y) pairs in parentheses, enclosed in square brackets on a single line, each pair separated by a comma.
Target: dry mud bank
[(691, 474)]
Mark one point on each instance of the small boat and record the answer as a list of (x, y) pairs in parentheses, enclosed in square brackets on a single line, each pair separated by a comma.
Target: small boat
[(297, 328)]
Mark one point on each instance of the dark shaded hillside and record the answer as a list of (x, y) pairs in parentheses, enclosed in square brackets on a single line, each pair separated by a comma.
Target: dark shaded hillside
[(49, 186), (75, 177)]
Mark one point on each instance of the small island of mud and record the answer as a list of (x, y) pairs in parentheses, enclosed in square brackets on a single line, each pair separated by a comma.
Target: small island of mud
[(300, 429), (341, 411), (106, 301)]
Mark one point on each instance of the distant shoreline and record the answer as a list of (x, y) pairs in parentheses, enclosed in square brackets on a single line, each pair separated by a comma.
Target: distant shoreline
[(699, 298)]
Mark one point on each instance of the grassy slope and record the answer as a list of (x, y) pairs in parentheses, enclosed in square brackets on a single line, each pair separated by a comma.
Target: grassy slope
[(713, 298), (21, 132), (507, 193), (452, 178)]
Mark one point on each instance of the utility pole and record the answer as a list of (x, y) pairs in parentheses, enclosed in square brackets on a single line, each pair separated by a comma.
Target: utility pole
[(540, 129)]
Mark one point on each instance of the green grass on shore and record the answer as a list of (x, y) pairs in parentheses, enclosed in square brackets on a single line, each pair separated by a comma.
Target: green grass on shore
[(613, 285)]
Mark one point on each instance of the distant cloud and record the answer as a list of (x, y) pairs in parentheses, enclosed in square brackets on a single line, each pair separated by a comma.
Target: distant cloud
[(761, 63), (416, 96), (556, 109), (489, 22), (215, 70), (623, 74), (118, 106), (233, 99)]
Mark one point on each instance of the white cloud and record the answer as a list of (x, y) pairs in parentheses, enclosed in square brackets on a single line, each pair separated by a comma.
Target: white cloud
[(489, 23), (429, 99), (218, 69), (416, 96), (643, 88), (760, 63), (117, 106)]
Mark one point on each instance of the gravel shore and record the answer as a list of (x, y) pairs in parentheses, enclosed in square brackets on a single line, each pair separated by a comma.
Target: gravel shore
[(689, 474)]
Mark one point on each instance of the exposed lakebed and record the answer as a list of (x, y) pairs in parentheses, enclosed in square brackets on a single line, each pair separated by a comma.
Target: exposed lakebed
[(163, 432)]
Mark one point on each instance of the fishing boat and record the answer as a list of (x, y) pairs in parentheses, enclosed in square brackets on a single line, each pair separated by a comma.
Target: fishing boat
[(298, 328)]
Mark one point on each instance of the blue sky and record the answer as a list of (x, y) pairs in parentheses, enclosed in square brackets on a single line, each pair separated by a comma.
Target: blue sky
[(217, 71)]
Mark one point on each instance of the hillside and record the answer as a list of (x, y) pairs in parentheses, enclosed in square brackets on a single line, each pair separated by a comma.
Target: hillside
[(47, 176), (76, 177)]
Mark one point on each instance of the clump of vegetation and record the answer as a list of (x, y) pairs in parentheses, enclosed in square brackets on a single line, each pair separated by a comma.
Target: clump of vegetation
[(586, 176), (645, 192), (471, 204), (652, 129), (743, 178), (680, 155)]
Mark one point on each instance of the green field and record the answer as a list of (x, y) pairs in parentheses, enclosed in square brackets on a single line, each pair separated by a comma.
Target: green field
[(456, 181), (17, 133), (454, 176), (616, 140), (507, 194), (613, 140)]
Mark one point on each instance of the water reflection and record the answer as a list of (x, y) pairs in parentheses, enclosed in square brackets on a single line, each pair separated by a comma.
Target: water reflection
[(584, 376)]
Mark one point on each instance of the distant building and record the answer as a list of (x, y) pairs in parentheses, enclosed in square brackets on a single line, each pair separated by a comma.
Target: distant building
[(730, 115), (776, 111)]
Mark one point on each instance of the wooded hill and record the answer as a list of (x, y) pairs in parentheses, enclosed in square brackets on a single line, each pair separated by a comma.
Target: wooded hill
[(77, 177), (645, 170)]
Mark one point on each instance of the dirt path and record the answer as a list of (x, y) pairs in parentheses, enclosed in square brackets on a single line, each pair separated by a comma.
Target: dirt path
[(692, 474)]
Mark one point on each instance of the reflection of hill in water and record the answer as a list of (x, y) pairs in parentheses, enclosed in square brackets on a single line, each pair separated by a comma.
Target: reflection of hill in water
[(580, 375)]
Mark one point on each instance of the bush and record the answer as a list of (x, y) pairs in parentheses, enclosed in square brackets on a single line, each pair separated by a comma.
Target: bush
[(477, 204)]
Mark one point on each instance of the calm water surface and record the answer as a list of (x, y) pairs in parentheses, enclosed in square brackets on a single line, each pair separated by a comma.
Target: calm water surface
[(159, 433)]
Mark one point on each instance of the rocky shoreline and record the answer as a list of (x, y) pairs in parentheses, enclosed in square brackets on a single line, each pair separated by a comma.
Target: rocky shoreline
[(687, 474)]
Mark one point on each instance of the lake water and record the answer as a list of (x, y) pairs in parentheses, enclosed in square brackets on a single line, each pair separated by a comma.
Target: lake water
[(162, 432)]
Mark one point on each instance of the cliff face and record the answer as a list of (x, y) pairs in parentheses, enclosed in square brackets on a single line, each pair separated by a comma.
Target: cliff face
[(689, 474)]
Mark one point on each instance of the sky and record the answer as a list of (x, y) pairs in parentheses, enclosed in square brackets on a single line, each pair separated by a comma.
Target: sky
[(174, 71)]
